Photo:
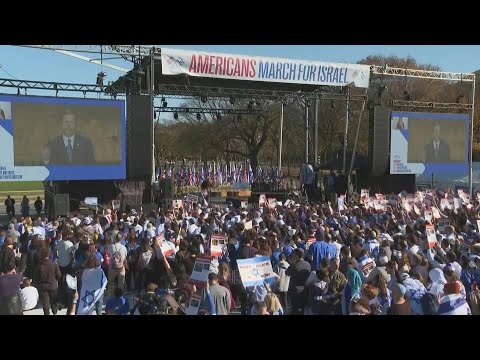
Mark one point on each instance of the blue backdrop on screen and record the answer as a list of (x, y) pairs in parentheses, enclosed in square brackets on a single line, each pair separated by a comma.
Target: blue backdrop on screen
[(426, 143), (50, 138)]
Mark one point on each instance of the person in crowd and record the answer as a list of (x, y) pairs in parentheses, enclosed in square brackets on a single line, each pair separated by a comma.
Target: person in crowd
[(47, 274), (29, 295), (38, 205), (118, 305)]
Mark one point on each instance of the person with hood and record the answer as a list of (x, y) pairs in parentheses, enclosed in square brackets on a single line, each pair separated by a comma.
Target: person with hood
[(351, 291)]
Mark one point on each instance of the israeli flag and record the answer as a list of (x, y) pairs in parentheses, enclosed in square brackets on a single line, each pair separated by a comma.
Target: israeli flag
[(94, 283)]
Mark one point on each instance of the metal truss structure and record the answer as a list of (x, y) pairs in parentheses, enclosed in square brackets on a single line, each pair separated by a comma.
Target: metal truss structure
[(121, 50), (422, 74), (432, 105), (52, 86), (207, 111), (189, 91)]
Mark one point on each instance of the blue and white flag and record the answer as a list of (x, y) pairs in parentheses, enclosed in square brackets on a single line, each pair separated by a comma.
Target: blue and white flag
[(256, 271), (94, 283)]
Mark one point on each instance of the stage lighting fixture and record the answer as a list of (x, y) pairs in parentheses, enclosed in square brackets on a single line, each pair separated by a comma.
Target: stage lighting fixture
[(239, 117), (258, 103), (18, 91), (250, 106), (406, 96), (199, 117), (100, 76), (175, 116), (232, 100), (163, 99), (154, 114), (164, 104), (332, 104), (187, 110), (219, 116), (204, 99)]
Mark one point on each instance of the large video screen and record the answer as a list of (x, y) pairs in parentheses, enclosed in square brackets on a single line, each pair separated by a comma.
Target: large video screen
[(49, 138), (422, 143)]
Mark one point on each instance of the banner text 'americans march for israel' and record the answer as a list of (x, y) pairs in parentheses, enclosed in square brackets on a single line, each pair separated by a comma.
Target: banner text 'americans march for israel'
[(238, 67)]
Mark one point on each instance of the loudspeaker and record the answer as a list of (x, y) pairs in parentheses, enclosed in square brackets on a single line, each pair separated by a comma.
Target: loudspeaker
[(139, 137), (379, 138), (167, 188), (62, 204)]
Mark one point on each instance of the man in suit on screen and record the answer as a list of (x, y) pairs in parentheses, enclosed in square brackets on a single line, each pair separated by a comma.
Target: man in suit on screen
[(70, 148), (438, 149)]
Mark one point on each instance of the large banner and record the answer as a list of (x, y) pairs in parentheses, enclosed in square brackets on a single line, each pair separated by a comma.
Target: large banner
[(49, 138), (256, 271), (253, 68), (422, 143)]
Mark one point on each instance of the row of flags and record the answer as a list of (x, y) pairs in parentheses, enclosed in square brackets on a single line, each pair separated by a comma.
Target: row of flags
[(218, 174)]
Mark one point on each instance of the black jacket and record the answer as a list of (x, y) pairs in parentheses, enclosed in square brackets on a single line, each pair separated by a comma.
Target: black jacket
[(7, 257), (82, 151)]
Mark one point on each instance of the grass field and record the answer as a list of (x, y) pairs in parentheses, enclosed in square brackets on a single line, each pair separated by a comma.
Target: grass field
[(6, 186)]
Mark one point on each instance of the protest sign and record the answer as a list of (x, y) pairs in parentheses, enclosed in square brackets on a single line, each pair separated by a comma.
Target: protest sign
[(364, 195), (255, 271), (177, 204), (191, 199), (248, 225), (431, 236), (442, 223), (367, 268), (262, 200), (272, 203), (193, 305), (201, 269), (435, 212), (217, 245), (116, 204), (93, 201), (164, 247), (428, 215)]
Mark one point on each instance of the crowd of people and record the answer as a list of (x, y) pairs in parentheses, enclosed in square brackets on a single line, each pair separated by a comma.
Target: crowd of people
[(374, 257)]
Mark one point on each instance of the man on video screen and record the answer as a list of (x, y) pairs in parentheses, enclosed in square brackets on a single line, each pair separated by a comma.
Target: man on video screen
[(70, 148), (438, 149)]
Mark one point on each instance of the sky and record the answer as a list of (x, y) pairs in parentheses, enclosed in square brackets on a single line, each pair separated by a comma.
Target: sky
[(45, 65)]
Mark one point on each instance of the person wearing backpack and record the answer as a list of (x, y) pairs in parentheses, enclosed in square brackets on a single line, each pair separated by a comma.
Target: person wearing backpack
[(116, 269)]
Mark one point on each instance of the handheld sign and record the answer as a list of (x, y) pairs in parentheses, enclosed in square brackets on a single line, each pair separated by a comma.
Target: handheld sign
[(243, 204), (255, 271), (116, 204), (248, 225), (192, 199), (435, 212), (364, 195), (341, 203), (200, 272), (93, 201), (177, 204), (193, 305), (262, 200), (442, 224), (272, 203), (428, 216), (217, 245), (431, 237)]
